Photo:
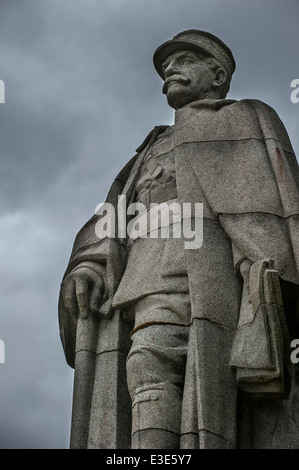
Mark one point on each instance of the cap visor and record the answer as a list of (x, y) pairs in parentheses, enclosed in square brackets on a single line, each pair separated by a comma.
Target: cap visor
[(170, 47)]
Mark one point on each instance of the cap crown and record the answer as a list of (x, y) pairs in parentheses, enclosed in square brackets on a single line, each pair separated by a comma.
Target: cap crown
[(197, 40)]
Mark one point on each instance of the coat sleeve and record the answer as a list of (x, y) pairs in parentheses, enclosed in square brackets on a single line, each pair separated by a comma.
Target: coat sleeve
[(108, 254)]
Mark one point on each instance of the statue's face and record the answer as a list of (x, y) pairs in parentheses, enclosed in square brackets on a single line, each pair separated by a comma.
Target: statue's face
[(187, 78)]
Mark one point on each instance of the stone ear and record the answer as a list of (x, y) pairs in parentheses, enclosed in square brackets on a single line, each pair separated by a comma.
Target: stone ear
[(221, 76)]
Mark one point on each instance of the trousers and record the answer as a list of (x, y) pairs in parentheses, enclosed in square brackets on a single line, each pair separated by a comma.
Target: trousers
[(156, 367)]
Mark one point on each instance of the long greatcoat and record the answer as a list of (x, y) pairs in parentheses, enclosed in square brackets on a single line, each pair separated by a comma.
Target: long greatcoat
[(237, 157)]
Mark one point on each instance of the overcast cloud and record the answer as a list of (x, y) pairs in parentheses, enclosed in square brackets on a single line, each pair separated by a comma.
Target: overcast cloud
[(81, 95)]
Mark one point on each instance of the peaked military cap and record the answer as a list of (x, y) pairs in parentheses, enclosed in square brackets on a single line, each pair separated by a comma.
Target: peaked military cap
[(196, 40)]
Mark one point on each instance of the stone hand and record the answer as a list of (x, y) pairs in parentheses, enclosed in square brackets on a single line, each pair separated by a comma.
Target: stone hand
[(82, 292)]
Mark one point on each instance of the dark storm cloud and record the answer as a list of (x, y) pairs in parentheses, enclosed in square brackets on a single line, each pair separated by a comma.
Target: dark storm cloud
[(81, 95)]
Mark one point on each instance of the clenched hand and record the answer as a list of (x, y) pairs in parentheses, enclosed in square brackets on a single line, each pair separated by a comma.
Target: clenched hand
[(82, 292)]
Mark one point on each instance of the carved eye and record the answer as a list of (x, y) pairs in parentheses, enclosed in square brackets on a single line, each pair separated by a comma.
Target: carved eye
[(186, 61)]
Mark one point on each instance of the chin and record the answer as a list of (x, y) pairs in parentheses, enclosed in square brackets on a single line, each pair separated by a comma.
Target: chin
[(177, 102), (178, 95), (175, 96)]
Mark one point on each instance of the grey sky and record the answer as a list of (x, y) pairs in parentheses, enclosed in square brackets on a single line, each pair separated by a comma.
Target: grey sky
[(81, 95)]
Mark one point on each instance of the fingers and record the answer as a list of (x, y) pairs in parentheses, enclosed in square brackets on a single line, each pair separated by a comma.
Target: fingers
[(95, 301), (96, 296), (82, 296), (68, 292), (82, 293)]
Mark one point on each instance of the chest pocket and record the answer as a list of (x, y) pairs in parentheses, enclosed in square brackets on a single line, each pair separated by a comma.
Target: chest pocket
[(157, 182)]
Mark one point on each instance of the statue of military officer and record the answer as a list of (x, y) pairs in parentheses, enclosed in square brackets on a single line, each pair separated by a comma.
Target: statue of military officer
[(199, 334)]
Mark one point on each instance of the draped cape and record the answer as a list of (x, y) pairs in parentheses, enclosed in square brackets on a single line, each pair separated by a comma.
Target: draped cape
[(237, 157)]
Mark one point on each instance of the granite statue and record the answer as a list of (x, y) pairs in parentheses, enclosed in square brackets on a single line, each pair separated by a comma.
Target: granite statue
[(181, 346)]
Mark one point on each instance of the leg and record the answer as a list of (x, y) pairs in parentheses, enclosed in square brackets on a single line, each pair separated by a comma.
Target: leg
[(155, 371)]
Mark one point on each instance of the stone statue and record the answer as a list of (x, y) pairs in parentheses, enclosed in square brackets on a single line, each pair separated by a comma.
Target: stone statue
[(188, 346)]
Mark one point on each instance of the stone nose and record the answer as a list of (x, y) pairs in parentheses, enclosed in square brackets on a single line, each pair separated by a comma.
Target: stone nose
[(171, 68)]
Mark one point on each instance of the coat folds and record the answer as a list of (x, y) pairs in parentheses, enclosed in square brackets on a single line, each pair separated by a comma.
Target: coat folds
[(236, 158)]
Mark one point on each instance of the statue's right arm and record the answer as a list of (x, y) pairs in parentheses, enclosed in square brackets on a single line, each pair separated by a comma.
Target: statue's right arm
[(83, 290)]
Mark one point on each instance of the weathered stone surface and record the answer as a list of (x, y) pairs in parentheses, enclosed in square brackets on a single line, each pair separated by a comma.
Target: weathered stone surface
[(181, 342), (101, 415)]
